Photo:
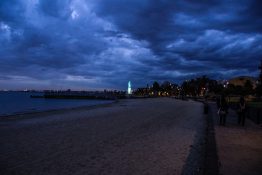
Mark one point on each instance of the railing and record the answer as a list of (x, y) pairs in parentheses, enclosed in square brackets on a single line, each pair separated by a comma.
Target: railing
[(255, 114)]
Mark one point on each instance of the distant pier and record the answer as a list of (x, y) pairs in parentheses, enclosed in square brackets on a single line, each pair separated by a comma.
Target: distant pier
[(101, 95)]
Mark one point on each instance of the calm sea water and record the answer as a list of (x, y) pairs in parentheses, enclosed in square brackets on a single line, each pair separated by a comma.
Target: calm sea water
[(20, 102)]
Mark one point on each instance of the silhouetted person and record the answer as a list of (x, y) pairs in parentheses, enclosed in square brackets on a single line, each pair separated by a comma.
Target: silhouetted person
[(223, 110), (241, 111)]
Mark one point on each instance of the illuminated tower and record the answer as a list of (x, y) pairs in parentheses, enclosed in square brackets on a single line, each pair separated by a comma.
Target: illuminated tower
[(129, 90)]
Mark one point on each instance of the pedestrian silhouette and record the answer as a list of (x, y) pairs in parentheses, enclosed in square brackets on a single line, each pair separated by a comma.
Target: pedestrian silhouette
[(241, 111), (223, 110)]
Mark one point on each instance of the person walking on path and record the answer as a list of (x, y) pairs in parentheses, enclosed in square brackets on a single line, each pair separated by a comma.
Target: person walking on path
[(223, 110), (242, 111)]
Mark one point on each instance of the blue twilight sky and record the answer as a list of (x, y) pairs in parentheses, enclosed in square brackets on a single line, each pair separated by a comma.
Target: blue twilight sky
[(97, 44)]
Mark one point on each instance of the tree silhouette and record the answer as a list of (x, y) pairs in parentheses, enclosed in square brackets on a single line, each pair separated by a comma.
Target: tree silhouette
[(248, 88), (156, 87), (232, 89), (200, 85), (166, 86)]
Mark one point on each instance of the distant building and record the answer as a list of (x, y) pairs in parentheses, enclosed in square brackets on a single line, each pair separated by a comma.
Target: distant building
[(241, 81)]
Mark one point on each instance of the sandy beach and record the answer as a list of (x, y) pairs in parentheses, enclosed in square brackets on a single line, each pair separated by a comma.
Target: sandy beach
[(136, 136)]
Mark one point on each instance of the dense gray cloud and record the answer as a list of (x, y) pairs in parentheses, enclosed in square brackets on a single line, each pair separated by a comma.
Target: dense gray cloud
[(96, 44)]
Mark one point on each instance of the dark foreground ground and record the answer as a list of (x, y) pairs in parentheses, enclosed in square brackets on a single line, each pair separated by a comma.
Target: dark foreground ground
[(147, 136)]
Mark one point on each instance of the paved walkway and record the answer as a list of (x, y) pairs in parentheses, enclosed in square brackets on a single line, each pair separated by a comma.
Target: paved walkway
[(239, 148)]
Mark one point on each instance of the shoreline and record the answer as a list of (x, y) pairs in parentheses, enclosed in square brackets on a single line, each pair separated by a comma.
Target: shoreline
[(23, 115), (41, 113)]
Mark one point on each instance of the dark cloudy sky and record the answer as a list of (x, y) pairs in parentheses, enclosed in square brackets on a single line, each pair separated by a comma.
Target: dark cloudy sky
[(97, 44)]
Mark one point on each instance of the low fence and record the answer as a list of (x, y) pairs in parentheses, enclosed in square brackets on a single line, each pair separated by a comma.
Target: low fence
[(255, 114)]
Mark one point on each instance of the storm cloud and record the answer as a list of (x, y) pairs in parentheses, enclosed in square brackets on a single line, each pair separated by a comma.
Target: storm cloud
[(97, 44)]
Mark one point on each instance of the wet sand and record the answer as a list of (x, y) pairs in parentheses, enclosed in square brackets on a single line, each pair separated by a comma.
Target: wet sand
[(143, 136)]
